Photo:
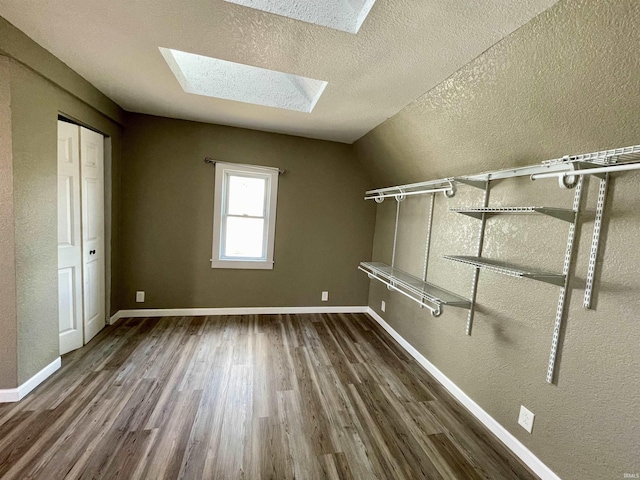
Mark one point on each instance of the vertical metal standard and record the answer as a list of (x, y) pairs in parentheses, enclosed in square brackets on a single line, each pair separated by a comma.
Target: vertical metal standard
[(428, 240), (595, 241), (563, 291), (427, 245), (399, 198), (476, 271)]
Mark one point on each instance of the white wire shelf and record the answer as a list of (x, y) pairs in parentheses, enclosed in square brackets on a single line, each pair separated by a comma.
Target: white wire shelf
[(625, 158), (604, 157), (508, 269), (570, 174), (446, 185), (476, 212), (413, 287)]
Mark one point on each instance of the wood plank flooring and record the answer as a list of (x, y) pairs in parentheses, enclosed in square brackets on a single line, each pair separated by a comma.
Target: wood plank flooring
[(246, 397)]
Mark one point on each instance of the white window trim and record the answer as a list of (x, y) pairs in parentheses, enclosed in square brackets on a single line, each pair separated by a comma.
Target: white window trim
[(271, 194)]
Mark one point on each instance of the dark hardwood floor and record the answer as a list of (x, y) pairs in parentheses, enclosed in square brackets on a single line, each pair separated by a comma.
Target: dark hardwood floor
[(253, 397)]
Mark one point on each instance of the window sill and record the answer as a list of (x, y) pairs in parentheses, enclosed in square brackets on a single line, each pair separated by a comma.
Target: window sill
[(240, 264)]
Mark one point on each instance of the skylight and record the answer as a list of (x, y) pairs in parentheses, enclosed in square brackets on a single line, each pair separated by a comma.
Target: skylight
[(243, 83), (345, 15)]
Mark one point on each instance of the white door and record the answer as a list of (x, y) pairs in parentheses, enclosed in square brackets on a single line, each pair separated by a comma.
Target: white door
[(69, 239), (92, 172)]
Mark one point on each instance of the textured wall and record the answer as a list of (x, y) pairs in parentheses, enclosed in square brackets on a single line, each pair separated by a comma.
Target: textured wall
[(41, 87), (323, 228), (8, 326), (36, 103), (35, 193), (15, 44), (565, 83)]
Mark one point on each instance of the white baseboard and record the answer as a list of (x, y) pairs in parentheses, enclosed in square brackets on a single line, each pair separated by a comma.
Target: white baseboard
[(511, 442), (183, 312), (17, 394)]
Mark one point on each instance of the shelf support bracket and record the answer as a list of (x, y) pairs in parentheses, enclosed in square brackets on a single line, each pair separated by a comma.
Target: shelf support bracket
[(476, 271), (568, 258), (472, 183), (560, 214)]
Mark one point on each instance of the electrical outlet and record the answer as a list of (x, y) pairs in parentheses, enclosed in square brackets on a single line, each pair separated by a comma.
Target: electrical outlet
[(526, 419), (383, 306), (325, 296), (140, 296)]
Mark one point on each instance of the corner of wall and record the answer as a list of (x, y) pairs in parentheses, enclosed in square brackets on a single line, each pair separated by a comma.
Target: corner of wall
[(8, 316), (17, 45)]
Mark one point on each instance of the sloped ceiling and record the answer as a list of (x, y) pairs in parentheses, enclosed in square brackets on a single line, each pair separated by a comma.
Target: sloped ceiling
[(403, 49)]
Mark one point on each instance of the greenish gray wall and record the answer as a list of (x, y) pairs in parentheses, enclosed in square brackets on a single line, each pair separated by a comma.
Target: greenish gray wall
[(8, 325), (565, 83), (15, 44), (323, 227), (41, 87)]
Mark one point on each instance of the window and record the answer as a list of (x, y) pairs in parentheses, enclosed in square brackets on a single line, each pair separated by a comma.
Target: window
[(244, 218), (218, 78), (345, 15)]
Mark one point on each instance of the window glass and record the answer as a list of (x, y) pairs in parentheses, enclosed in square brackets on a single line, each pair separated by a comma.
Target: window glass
[(246, 196), (244, 237)]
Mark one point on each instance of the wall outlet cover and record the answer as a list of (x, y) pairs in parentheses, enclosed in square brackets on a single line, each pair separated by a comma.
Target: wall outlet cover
[(325, 296), (383, 306), (140, 296), (526, 418)]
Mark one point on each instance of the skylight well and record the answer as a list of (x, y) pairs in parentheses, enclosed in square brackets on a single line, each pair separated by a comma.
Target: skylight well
[(345, 15), (217, 78)]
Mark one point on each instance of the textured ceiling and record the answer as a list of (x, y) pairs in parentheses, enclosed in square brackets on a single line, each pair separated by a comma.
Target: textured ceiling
[(403, 49)]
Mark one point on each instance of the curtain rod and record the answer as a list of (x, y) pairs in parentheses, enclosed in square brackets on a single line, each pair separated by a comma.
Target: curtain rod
[(214, 161)]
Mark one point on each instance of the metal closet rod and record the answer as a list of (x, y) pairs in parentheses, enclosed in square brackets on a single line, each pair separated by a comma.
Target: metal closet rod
[(403, 194), (558, 167), (448, 185), (411, 186), (435, 311), (589, 171)]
